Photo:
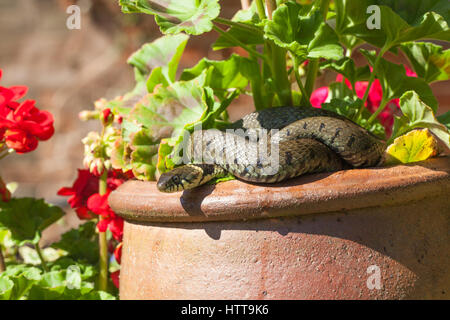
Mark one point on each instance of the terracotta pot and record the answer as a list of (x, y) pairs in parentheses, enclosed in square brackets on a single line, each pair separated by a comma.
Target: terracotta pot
[(323, 236)]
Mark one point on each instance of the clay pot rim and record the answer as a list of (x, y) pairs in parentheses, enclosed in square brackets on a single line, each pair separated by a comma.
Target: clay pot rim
[(337, 192)]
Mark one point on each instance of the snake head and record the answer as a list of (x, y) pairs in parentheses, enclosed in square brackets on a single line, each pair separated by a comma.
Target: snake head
[(179, 179)]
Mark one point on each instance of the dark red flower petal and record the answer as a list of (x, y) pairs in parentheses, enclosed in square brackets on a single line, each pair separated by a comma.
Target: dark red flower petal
[(5, 195), (115, 277), (118, 253), (116, 228), (83, 213)]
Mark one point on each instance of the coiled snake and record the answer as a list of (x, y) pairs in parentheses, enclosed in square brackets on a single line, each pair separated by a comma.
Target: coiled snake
[(301, 140)]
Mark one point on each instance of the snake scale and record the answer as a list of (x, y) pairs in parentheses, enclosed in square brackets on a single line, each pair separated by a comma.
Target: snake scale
[(300, 140)]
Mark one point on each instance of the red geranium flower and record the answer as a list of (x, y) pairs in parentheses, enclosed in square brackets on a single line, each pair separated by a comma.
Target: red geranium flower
[(22, 125), (98, 204), (87, 202), (84, 186)]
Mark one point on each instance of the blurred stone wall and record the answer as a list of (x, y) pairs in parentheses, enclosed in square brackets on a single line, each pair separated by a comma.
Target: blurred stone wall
[(66, 70)]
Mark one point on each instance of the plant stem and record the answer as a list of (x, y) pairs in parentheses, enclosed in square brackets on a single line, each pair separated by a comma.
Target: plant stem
[(103, 245), (323, 7), (39, 252), (5, 152), (239, 43), (2, 262), (311, 75), (239, 25), (313, 66), (305, 97), (280, 76), (278, 65), (371, 80), (261, 9), (378, 111)]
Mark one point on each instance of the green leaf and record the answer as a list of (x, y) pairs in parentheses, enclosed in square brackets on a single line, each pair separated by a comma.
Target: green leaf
[(416, 145), (167, 112), (6, 287), (166, 147), (88, 272), (174, 16), (160, 59), (26, 218), (248, 20), (168, 109), (249, 37), (400, 20), (347, 68), (98, 295), (222, 76), (58, 285), (144, 155), (445, 119), (80, 243), (416, 114), (305, 35), (428, 60), (207, 120), (164, 52), (395, 82), (23, 277), (120, 153), (30, 255)]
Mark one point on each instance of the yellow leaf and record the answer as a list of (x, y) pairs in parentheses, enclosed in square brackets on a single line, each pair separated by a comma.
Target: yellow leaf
[(416, 145)]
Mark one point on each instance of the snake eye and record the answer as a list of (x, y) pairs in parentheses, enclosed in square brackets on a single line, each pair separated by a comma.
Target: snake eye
[(176, 179)]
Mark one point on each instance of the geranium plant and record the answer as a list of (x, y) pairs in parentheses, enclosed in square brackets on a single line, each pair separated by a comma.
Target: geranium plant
[(69, 269), (288, 44)]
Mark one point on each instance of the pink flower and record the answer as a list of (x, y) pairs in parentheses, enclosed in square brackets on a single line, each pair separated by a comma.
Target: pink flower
[(386, 117), (319, 96)]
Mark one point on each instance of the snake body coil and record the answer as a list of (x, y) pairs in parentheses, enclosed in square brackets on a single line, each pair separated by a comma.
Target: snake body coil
[(300, 140)]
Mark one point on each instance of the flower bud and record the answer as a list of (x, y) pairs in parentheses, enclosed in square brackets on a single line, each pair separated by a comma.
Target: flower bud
[(107, 117)]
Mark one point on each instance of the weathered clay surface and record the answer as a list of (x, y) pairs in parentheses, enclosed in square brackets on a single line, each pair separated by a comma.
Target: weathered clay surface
[(394, 218), (318, 193)]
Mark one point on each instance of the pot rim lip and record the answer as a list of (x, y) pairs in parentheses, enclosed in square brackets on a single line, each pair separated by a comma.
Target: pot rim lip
[(335, 192)]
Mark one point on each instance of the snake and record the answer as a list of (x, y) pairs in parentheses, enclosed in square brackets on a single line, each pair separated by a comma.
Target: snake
[(273, 145)]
